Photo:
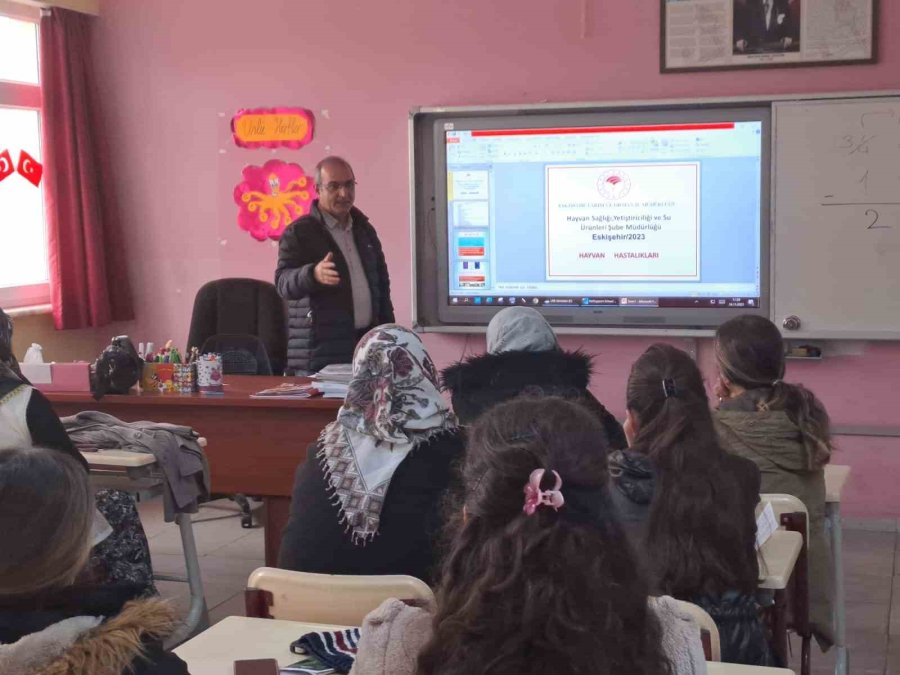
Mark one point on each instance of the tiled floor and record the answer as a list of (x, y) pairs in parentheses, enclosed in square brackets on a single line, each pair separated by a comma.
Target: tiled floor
[(228, 553)]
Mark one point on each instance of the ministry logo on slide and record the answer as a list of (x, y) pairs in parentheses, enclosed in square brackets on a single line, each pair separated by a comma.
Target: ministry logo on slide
[(614, 184)]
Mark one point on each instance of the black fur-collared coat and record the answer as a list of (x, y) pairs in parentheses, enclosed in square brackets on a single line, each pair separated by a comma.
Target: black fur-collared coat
[(481, 382)]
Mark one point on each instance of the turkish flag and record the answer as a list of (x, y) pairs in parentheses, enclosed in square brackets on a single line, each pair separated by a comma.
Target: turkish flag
[(6, 164), (30, 168)]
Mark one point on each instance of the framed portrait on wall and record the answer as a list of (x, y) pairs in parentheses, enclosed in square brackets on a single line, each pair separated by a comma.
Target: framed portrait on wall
[(735, 34)]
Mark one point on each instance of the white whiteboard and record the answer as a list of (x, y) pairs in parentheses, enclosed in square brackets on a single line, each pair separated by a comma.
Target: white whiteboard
[(836, 234)]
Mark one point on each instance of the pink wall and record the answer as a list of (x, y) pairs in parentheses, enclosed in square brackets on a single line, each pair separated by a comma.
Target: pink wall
[(169, 69)]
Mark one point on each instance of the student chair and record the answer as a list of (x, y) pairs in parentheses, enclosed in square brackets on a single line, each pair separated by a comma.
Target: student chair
[(336, 599), (791, 609), (245, 321), (709, 632)]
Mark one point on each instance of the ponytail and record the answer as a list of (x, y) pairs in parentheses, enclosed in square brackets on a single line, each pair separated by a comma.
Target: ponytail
[(810, 416), (750, 353), (699, 536)]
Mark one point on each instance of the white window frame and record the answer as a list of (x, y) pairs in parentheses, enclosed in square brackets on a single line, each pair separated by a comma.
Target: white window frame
[(20, 95)]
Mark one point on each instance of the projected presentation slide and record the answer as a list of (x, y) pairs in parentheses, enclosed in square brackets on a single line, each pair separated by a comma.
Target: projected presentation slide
[(638, 221), (642, 215)]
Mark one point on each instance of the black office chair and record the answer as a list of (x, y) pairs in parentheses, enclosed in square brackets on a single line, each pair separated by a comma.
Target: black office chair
[(242, 307), (241, 354), (245, 321)]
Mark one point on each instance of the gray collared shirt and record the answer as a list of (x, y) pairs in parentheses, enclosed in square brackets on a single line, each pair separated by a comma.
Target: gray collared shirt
[(359, 283)]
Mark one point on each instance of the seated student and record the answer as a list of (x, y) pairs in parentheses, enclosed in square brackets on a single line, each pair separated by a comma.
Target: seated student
[(784, 429), (27, 418), (689, 505), (523, 358), (367, 499), (538, 576), (48, 622)]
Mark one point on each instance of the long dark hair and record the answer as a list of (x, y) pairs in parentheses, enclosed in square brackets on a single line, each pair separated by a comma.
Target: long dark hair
[(750, 354), (553, 592), (700, 536)]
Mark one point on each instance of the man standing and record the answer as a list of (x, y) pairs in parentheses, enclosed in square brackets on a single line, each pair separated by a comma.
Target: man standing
[(332, 272)]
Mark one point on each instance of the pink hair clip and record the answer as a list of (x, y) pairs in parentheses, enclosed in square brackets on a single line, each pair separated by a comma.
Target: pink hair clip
[(535, 497)]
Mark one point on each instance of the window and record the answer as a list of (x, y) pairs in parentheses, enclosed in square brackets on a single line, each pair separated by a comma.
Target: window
[(24, 274)]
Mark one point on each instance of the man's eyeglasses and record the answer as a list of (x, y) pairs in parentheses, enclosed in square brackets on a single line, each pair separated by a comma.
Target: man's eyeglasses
[(334, 186)]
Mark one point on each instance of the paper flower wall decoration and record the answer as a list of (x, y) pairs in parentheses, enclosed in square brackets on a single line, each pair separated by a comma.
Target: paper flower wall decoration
[(271, 197)]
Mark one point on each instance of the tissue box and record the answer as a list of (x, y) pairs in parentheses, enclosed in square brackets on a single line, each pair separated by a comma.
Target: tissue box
[(63, 376), (37, 373)]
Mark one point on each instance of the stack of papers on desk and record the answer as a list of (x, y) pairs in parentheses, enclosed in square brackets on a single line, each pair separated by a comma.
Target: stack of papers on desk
[(334, 380), (336, 372), (289, 390)]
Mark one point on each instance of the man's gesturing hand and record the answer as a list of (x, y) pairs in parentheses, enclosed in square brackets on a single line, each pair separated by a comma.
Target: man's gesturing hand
[(326, 272)]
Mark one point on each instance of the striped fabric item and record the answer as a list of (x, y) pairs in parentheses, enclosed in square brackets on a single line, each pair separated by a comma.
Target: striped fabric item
[(334, 648)]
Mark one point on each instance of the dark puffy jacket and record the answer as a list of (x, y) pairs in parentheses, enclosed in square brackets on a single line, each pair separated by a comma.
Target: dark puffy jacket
[(481, 382), (320, 318)]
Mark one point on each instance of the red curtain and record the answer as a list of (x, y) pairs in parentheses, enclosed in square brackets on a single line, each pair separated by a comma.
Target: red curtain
[(88, 280)]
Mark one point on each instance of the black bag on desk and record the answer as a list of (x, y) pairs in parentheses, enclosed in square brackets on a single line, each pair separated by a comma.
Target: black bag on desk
[(117, 369)]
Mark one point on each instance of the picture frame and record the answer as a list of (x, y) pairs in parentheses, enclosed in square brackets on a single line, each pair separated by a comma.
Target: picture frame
[(707, 35)]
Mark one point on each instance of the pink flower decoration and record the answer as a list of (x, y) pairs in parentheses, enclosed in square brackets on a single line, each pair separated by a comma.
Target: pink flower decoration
[(271, 197)]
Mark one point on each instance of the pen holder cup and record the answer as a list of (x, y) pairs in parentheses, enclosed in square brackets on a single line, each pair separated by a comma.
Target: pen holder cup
[(159, 377), (210, 379), (184, 376)]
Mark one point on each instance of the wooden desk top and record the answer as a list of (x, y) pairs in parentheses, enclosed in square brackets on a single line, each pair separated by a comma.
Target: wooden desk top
[(214, 651), (777, 558), (836, 476), (237, 393)]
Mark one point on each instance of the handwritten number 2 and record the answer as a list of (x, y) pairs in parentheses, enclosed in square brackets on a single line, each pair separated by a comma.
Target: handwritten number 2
[(873, 214)]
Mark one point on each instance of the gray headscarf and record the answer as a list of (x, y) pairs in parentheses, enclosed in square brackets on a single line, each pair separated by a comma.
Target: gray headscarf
[(520, 329)]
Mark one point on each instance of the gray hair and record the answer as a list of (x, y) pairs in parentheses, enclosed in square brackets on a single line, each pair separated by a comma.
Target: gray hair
[(331, 160)]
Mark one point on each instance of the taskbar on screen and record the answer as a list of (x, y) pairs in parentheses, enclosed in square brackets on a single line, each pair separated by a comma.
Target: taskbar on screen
[(593, 302)]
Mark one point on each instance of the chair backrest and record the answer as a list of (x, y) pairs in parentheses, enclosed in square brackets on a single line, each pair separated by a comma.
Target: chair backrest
[(781, 503), (242, 307), (241, 354), (336, 599), (709, 632), (791, 514)]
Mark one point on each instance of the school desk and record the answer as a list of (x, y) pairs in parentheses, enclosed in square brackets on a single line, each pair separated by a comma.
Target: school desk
[(253, 445), (835, 479), (777, 558), (214, 651), (140, 475)]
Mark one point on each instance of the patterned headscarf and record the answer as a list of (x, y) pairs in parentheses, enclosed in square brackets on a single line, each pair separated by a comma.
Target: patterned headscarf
[(393, 404)]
